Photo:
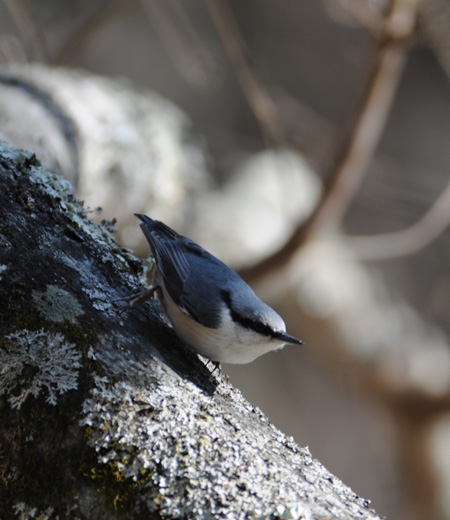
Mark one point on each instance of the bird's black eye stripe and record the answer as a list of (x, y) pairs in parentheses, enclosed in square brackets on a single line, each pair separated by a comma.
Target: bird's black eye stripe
[(247, 323)]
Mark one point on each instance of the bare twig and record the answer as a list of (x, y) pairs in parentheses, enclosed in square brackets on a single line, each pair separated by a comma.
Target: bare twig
[(408, 241), (262, 105), (182, 43), (29, 29), (361, 139)]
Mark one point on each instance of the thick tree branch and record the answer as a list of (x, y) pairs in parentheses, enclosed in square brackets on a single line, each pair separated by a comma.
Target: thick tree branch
[(104, 411)]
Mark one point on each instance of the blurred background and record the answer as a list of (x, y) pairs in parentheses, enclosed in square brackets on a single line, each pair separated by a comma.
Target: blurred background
[(307, 145)]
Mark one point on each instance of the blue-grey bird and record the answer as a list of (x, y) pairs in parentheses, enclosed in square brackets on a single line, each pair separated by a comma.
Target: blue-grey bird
[(208, 304)]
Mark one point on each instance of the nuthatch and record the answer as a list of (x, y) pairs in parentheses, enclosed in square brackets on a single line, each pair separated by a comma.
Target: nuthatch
[(208, 304)]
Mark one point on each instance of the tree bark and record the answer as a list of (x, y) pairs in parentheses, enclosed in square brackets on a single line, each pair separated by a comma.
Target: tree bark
[(104, 411)]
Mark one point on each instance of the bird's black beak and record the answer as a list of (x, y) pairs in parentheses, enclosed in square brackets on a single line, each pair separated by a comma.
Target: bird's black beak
[(289, 339)]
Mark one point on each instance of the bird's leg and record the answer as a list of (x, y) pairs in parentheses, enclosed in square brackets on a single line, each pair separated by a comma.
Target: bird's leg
[(140, 297), (136, 298)]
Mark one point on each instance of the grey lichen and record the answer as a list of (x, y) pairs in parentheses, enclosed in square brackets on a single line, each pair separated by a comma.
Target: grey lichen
[(57, 304), (26, 512), (16, 155), (3, 268), (32, 362), (291, 512), (61, 191), (195, 457)]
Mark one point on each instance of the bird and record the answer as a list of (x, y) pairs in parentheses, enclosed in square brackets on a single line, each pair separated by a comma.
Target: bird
[(210, 307)]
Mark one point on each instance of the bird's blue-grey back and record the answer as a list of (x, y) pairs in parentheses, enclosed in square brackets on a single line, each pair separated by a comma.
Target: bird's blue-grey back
[(199, 282), (186, 276)]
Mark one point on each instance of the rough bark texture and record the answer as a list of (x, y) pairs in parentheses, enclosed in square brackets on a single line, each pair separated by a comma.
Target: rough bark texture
[(104, 412)]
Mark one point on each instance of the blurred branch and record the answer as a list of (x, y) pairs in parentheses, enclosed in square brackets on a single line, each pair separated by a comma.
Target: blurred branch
[(29, 29), (108, 11), (359, 142), (408, 241), (435, 25), (262, 105), (190, 55), (357, 13), (11, 49)]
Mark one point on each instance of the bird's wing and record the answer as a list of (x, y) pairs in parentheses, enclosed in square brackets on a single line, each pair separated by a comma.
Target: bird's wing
[(172, 262), (176, 257)]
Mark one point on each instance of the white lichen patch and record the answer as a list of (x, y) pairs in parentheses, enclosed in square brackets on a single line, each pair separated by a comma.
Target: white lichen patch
[(36, 362), (25, 512), (194, 456), (57, 304), (3, 269), (100, 299)]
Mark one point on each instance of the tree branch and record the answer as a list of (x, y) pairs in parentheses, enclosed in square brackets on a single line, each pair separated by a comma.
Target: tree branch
[(347, 169), (29, 28), (407, 241), (262, 105), (105, 413)]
